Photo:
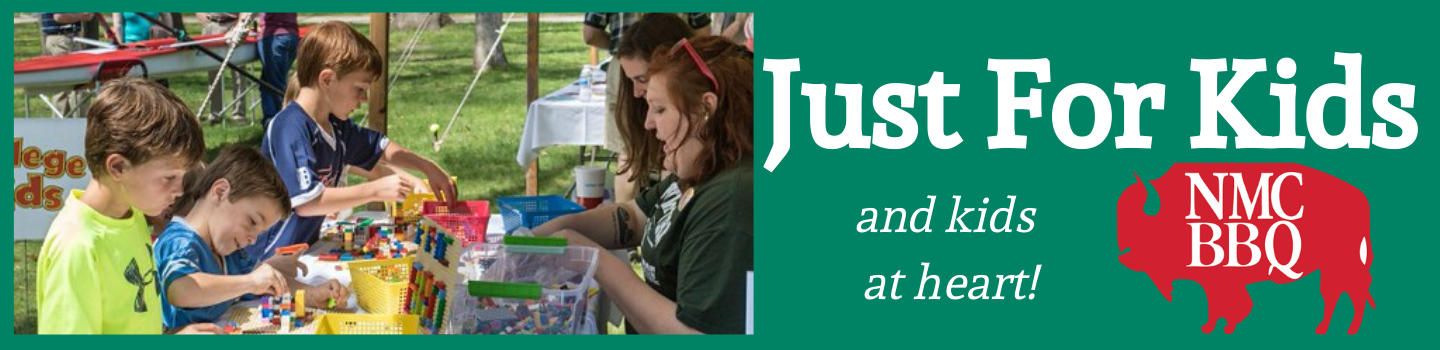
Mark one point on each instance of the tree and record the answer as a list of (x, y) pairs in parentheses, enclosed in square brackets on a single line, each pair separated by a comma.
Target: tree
[(412, 20), (487, 32)]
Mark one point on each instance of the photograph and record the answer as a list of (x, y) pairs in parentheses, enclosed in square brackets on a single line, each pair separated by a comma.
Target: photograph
[(384, 173)]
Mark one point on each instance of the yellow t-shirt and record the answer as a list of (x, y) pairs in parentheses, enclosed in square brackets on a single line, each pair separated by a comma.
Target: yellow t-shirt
[(96, 274)]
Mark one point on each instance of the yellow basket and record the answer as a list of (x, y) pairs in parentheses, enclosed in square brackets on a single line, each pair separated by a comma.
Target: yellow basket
[(368, 324), (380, 286), (413, 202)]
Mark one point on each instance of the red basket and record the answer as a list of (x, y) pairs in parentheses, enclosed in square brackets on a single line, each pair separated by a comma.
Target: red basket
[(467, 221)]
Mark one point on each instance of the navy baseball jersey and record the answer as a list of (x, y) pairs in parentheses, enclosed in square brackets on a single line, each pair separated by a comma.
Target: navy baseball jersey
[(310, 160)]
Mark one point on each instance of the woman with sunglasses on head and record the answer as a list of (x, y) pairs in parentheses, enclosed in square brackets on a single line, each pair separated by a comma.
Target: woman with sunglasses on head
[(695, 227)]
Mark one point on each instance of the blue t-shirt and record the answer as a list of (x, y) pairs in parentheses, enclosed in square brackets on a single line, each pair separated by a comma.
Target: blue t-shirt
[(309, 160), (179, 252), (136, 28)]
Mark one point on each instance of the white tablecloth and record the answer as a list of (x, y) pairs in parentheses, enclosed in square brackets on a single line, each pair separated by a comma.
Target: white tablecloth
[(561, 118)]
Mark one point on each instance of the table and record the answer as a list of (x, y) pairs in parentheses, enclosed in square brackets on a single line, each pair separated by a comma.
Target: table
[(323, 271), (560, 118)]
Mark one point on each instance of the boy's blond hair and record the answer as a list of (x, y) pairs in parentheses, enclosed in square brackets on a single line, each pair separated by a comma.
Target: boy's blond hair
[(335, 46), (139, 120), (292, 89)]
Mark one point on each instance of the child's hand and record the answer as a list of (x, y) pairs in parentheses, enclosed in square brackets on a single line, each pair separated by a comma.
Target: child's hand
[(391, 188), (319, 296), (199, 328), (265, 280), (419, 188), (441, 184)]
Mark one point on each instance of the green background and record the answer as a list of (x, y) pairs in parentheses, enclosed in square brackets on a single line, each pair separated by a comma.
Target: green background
[(811, 267)]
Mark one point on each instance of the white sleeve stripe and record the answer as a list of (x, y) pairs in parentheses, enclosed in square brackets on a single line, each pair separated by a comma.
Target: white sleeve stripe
[(301, 199), (176, 264), (269, 130)]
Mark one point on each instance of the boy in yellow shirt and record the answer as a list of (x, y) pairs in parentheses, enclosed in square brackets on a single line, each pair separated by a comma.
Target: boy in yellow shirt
[(96, 272)]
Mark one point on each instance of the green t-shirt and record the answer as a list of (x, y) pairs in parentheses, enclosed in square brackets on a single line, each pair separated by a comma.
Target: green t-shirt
[(96, 274), (698, 256)]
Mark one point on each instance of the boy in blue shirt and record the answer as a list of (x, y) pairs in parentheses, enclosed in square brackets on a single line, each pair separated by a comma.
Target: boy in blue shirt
[(312, 140), (202, 270)]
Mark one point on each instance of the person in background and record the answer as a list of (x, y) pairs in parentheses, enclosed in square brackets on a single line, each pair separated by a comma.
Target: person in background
[(605, 31), (220, 23), (731, 25), (639, 162), (132, 27), (279, 40), (58, 32)]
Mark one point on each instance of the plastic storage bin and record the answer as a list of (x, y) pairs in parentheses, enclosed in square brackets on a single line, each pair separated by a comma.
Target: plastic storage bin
[(368, 324), (528, 285), (531, 211), (468, 222), (380, 286)]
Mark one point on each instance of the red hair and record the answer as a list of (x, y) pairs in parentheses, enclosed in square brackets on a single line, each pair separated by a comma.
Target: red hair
[(728, 133)]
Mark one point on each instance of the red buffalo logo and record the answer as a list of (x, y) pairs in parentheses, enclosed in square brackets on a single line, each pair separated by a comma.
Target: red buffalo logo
[(1226, 226)]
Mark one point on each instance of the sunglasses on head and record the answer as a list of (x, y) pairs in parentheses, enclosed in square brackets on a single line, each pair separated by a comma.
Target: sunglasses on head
[(694, 56)]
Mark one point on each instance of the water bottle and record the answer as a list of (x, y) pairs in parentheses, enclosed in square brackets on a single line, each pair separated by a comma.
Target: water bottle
[(597, 81), (585, 91)]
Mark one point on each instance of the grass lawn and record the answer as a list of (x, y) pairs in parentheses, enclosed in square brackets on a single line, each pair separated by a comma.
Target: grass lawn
[(480, 149)]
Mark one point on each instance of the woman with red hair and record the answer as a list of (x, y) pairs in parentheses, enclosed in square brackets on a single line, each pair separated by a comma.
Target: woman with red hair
[(695, 227)]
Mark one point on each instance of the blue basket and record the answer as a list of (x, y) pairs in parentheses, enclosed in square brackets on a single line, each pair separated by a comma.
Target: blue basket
[(531, 211)]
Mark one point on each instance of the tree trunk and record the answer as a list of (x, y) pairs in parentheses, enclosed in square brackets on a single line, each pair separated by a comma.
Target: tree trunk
[(487, 27), (412, 20)]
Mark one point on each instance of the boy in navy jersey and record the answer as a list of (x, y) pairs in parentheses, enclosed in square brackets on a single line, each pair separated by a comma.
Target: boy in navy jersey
[(312, 140)]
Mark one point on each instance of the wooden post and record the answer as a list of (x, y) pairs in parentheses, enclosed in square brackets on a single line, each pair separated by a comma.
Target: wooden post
[(379, 91), (532, 90)]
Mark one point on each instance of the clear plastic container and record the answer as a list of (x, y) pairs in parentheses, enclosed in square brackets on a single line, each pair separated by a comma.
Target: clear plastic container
[(529, 285)]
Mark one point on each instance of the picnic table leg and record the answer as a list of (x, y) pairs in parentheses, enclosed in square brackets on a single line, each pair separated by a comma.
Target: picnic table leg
[(532, 178)]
